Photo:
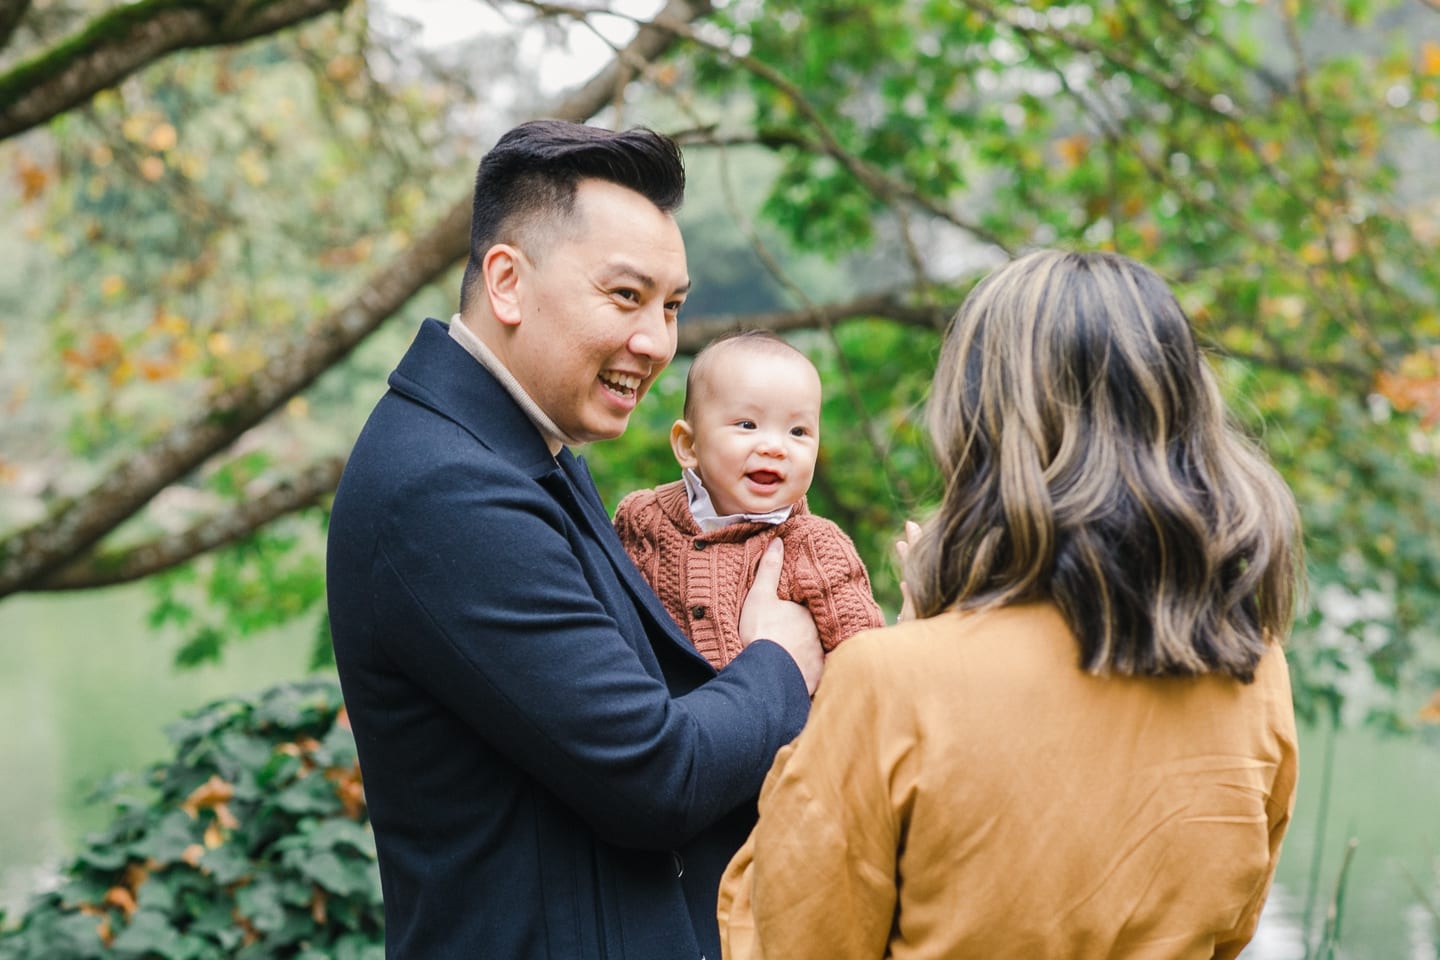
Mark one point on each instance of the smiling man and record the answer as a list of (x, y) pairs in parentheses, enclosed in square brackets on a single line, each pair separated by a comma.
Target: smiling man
[(551, 769)]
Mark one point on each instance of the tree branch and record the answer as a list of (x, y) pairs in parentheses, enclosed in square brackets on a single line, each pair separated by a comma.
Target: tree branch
[(694, 334), (103, 569), (128, 38), (30, 556), (872, 178)]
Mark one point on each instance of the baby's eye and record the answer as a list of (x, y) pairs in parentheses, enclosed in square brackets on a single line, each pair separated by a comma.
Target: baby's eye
[(746, 424), (799, 432)]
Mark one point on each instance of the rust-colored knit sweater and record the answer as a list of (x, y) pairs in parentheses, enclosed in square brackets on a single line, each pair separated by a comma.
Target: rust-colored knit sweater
[(702, 578)]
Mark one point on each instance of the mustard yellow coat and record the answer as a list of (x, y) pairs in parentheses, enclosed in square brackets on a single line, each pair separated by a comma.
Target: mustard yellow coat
[(963, 790)]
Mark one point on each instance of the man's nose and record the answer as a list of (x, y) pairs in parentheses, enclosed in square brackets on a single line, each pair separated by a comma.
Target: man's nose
[(655, 336)]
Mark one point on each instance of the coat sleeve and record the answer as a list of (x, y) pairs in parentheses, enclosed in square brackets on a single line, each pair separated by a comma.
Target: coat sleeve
[(491, 599), (829, 577), (816, 879), (1279, 807)]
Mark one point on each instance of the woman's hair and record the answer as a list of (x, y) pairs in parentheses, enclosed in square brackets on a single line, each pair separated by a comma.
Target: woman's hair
[(1088, 460)]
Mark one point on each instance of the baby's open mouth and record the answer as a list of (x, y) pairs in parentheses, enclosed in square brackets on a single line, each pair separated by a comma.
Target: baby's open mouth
[(765, 477)]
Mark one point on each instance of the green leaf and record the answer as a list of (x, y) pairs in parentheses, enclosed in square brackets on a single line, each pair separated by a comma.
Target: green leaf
[(150, 934)]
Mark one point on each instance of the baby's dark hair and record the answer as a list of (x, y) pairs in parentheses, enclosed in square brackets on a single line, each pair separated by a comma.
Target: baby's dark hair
[(755, 339)]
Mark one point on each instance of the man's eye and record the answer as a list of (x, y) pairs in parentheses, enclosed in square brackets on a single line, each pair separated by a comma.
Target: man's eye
[(673, 307), (626, 294)]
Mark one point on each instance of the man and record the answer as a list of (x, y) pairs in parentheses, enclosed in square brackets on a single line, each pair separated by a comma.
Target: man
[(551, 769)]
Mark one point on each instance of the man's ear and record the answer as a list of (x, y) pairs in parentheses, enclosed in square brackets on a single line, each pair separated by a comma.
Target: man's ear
[(500, 269), (682, 442)]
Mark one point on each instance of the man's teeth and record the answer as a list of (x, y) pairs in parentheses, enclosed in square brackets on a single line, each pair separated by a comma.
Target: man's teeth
[(621, 382)]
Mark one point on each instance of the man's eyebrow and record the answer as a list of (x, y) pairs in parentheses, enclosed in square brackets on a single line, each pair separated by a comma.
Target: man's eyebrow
[(642, 278)]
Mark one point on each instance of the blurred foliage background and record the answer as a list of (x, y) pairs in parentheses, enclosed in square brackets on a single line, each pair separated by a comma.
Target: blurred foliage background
[(227, 219)]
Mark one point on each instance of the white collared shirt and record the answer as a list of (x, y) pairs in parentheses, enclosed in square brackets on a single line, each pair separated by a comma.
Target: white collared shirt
[(703, 509), (555, 438)]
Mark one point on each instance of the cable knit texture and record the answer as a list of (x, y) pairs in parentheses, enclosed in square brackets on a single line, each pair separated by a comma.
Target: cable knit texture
[(702, 578)]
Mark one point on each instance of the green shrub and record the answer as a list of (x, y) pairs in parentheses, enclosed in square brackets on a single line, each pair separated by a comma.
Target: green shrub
[(252, 842)]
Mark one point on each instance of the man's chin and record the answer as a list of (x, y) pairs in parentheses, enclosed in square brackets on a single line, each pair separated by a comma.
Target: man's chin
[(597, 433)]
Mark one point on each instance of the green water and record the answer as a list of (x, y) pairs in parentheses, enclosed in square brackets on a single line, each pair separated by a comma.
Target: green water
[(86, 689), (1385, 795)]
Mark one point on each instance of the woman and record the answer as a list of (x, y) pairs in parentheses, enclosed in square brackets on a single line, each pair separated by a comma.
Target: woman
[(1085, 746)]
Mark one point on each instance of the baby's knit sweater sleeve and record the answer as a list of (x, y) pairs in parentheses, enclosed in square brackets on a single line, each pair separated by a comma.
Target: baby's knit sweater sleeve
[(635, 523), (828, 576)]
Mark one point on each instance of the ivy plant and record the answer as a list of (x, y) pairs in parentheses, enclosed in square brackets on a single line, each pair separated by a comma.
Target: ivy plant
[(252, 841)]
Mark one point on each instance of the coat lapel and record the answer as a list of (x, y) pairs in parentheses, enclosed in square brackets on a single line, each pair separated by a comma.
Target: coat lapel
[(438, 373), (594, 515)]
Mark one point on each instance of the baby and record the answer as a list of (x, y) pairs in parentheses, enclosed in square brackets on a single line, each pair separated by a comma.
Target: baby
[(747, 447)]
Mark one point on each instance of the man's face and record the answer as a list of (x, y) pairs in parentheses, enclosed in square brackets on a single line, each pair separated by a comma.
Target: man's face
[(756, 429), (598, 310)]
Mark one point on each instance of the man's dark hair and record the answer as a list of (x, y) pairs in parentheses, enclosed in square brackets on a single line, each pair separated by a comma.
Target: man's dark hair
[(529, 179)]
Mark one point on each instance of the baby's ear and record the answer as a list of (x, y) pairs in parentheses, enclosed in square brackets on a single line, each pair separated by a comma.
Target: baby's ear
[(682, 442)]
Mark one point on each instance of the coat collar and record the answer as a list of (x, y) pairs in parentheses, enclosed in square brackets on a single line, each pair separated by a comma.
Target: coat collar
[(437, 373)]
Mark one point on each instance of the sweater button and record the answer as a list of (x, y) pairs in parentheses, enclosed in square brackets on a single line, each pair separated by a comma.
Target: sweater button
[(698, 544), (697, 613)]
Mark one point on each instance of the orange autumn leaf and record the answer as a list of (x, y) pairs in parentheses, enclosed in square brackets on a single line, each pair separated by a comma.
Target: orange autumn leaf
[(135, 875), (33, 179), (122, 899), (1072, 149), (1430, 59), (349, 788), (154, 370), (209, 794), (214, 795), (1430, 713), (250, 933), (103, 349), (1414, 386)]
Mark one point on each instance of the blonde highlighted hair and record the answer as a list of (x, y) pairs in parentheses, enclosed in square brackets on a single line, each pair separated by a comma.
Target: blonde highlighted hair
[(1089, 461)]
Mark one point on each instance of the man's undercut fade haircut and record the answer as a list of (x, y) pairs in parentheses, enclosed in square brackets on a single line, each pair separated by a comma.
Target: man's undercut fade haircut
[(528, 180), (765, 340), (1088, 460)]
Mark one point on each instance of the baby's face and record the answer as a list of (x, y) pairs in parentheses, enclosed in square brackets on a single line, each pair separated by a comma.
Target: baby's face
[(755, 431)]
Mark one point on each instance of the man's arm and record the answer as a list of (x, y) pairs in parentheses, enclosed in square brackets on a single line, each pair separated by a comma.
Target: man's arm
[(491, 610)]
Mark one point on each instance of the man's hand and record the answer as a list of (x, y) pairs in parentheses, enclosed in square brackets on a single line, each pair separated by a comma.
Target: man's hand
[(766, 616)]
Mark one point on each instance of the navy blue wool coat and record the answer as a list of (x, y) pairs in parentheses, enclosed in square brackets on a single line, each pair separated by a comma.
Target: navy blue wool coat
[(552, 771)]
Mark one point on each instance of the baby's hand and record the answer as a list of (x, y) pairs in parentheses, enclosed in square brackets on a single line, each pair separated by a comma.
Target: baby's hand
[(902, 550)]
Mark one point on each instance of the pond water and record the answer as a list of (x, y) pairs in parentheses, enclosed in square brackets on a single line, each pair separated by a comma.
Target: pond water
[(87, 688)]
